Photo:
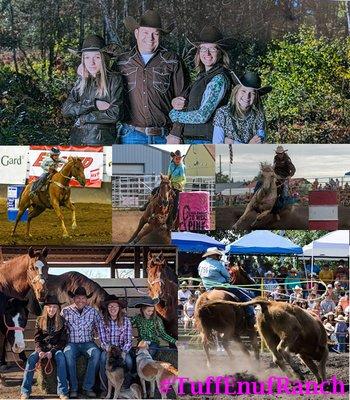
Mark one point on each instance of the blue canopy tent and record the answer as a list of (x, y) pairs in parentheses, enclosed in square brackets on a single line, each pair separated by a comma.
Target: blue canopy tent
[(189, 242), (263, 242)]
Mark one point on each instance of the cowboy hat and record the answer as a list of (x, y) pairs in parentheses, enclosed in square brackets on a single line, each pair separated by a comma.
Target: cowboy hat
[(177, 153), (329, 313), (212, 251), (51, 299), (150, 19), (297, 287), (112, 298), (212, 34), (79, 291), (340, 318), (145, 302), (184, 283), (280, 150), (253, 80), (269, 273), (91, 43), (328, 327)]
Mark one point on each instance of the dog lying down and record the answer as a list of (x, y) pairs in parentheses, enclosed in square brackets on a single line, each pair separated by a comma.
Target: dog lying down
[(115, 367), (153, 371)]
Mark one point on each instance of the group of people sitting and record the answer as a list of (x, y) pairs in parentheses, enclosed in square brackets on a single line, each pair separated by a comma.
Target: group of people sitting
[(145, 95), (64, 335)]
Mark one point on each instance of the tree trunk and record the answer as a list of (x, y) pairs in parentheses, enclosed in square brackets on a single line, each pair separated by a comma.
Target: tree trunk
[(14, 53), (112, 36)]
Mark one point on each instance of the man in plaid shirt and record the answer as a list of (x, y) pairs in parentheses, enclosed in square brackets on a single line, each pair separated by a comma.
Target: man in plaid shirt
[(81, 322)]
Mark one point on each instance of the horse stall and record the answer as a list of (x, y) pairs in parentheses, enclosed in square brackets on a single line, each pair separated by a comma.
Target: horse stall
[(130, 289)]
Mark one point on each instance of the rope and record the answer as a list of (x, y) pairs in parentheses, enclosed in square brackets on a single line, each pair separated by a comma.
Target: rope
[(138, 290)]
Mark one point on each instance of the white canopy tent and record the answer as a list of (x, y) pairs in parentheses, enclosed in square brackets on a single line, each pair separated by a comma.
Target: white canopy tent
[(332, 245)]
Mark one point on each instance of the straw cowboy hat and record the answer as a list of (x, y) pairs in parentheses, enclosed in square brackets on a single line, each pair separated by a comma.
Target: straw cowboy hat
[(112, 298), (150, 19), (329, 327), (269, 273), (92, 43), (79, 291), (280, 150), (340, 318), (212, 34), (183, 284), (177, 153), (145, 302), (329, 313), (212, 251), (51, 299), (253, 80)]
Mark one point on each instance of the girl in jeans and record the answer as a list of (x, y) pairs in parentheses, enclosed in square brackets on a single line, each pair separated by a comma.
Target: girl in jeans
[(50, 339), (341, 330)]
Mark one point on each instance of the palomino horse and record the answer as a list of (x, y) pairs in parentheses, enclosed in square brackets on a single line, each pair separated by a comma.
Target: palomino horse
[(156, 214), (13, 320), (22, 273), (57, 195), (213, 317), (264, 198), (162, 285)]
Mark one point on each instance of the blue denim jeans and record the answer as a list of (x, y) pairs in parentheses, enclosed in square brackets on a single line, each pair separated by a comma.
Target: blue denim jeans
[(72, 351), (341, 343), (129, 135), (62, 384), (196, 141), (103, 376)]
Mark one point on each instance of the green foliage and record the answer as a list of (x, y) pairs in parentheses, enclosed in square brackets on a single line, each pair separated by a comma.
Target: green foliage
[(310, 78), (302, 238)]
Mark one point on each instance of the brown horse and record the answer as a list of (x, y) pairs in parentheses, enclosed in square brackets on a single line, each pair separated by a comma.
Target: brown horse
[(162, 285), (263, 199), (156, 215), (56, 195), (213, 317), (22, 273)]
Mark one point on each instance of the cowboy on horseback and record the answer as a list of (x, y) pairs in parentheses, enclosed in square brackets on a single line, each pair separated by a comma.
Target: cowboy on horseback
[(177, 176), (49, 165), (214, 274)]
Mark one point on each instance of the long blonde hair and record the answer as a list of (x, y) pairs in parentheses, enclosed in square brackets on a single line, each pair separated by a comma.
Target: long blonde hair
[(223, 59), (236, 108), (101, 77), (58, 320)]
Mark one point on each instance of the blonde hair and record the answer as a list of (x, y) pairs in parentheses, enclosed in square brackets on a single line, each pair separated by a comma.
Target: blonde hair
[(223, 59), (101, 77), (58, 320), (237, 111)]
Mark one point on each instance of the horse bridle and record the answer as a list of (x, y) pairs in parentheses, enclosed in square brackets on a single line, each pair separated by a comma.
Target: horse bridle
[(11, 328)]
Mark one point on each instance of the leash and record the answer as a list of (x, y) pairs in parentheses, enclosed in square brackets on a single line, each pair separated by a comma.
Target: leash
[(138, 290)]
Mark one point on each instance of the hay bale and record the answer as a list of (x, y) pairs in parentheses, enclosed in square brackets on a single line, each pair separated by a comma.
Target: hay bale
[(48, 383)]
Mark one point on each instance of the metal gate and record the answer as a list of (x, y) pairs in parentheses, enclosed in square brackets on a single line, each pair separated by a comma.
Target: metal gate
[(133, 191)]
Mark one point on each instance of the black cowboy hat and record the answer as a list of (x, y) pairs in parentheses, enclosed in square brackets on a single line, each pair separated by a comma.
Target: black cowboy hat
[(92, 43), (177, 153), (150, 19), (52, 299), (79, 291), (112, 298), (212, 34), (145, 302), (253, 80)]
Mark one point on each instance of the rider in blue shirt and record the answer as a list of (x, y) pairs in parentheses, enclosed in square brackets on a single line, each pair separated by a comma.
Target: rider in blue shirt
[(213, 274)]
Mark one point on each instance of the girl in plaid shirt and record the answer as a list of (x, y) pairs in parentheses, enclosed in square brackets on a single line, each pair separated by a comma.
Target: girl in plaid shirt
[(150, 327), (114, 329)]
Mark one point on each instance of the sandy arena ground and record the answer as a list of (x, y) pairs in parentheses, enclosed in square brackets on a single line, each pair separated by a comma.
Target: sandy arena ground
[(192, 364), (226, 217), (94, 226), (125, 223)]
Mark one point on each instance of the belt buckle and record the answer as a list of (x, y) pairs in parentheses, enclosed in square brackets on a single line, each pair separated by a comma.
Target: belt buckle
[(151, 131)]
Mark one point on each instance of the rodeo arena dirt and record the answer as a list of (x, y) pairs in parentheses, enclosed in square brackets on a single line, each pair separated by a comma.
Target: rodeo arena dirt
[(131, 282), (309, 282), (64, 209)]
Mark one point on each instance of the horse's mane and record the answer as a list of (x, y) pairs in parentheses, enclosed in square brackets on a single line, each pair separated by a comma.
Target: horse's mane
[(9, 265)]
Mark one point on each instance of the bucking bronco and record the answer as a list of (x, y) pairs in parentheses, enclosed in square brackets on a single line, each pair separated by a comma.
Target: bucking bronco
[(56, 195)]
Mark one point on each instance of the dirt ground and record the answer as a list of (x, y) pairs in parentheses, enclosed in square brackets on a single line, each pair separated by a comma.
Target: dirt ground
[(226, 217), (94, 226), (192, 364), (125, 223)]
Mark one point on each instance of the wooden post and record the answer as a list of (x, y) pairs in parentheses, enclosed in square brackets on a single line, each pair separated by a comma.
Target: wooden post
[(137, 264), (145, 261)]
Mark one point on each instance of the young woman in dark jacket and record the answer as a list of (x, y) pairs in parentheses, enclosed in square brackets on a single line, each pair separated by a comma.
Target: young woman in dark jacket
[(96, 99), (50, 339)]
